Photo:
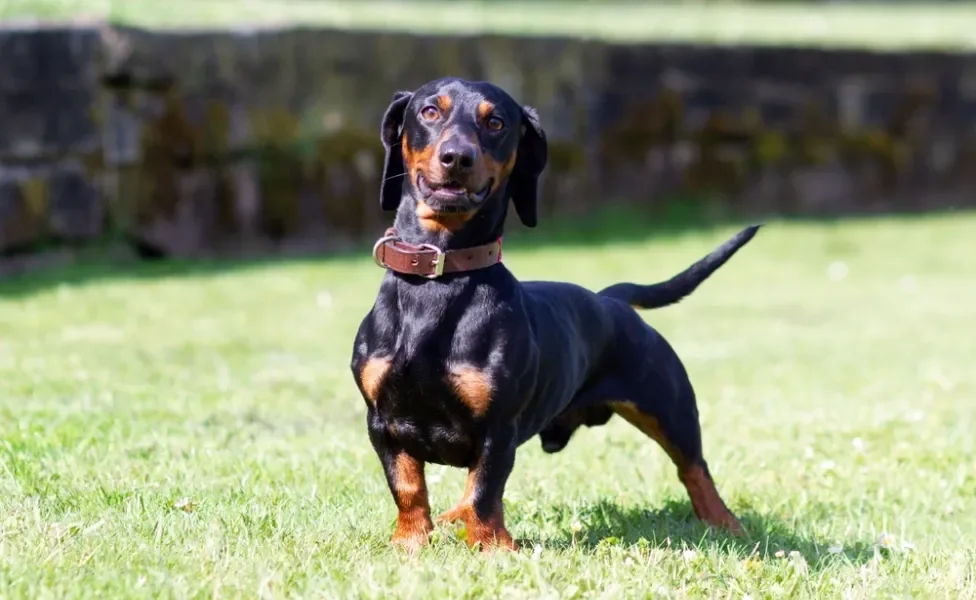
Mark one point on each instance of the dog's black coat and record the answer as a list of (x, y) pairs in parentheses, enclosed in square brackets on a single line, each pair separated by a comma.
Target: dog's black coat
[(462, 369)]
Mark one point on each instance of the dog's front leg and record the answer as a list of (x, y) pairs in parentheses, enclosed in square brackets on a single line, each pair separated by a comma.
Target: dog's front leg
[(481, 507), (408, 484)]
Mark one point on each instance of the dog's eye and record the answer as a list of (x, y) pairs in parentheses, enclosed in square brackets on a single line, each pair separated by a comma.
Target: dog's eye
[(430, 113), (495, 124)]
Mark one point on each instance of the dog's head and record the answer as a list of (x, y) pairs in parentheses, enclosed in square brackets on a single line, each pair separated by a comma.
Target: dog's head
[(456, 147)]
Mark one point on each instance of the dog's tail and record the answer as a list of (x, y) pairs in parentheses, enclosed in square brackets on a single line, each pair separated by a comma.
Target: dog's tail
[(657, 295)]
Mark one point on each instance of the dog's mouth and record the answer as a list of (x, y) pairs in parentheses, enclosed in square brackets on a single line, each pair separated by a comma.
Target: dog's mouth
[(451, 196)]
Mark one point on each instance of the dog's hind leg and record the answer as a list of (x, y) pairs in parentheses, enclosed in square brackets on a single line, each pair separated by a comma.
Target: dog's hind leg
[(673, 424)]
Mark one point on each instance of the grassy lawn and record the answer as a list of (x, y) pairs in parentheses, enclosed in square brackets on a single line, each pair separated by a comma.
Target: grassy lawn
[(908, 25), (171, 433)]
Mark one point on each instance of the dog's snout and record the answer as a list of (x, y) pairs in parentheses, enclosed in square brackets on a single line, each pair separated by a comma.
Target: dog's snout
[(457, 155)]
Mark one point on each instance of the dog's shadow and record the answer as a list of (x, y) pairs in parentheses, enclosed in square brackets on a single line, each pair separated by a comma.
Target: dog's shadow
[(674, 526)]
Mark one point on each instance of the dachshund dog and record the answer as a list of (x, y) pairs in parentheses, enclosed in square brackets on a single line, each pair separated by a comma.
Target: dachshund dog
[(459, 363)]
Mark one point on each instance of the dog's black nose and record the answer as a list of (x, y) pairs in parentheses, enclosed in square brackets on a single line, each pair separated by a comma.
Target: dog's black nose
[(457, 155)]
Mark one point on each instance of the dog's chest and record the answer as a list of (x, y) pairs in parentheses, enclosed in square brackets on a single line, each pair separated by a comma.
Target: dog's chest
[(433, 409)]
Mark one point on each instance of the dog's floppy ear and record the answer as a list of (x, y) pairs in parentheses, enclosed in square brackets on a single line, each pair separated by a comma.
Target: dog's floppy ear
[(391, 185), (533, 152)]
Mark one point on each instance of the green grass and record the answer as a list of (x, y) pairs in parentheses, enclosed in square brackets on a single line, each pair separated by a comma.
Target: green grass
[(917, 25), (168, 432)]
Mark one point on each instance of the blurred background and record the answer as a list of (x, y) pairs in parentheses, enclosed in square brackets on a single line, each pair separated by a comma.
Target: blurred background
[(192, 128)]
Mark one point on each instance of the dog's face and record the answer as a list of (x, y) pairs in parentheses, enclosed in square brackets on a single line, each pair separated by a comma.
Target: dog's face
[(454, 147)]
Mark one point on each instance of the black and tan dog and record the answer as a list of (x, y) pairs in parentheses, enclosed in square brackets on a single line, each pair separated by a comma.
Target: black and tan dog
[(460, 363)]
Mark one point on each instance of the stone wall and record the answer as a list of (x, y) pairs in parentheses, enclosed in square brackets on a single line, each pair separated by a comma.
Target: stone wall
[(50, 138), (199, 142)]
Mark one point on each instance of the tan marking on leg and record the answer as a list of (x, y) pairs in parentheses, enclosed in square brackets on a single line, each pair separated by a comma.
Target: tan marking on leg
[(705, 499), (372, 375), (649, 427), (464, 506), (473, 387), (410, 493), (490, 532)]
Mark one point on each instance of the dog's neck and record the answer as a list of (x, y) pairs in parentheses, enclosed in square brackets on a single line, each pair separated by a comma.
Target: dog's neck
[(449, 232)]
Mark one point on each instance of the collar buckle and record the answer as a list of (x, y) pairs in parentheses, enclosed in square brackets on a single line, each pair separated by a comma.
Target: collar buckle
[(437, 263)]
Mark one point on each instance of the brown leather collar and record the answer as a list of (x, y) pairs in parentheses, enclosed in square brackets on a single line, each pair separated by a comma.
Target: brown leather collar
[(430, 261)]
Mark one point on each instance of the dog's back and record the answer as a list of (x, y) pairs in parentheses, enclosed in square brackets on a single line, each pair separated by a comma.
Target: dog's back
[(586, 334)]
